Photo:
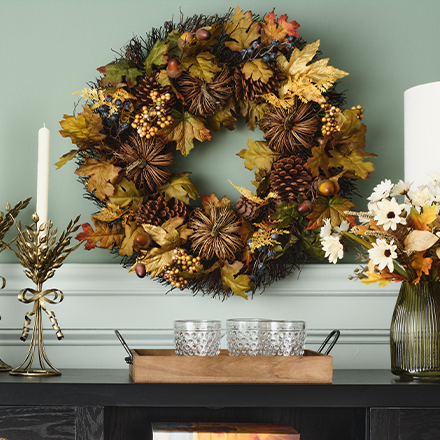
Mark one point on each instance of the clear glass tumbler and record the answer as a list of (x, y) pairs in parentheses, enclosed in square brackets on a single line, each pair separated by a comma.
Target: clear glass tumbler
[(283, 338), (197, 337), (243, 336)]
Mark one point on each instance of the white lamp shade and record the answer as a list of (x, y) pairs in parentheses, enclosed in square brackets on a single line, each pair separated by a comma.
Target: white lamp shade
[(422, 138)]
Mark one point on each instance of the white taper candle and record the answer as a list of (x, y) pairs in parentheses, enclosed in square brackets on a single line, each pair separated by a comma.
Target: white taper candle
[(43, 174)]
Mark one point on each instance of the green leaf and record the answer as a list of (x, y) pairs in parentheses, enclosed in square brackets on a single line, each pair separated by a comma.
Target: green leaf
[(156, 57), (200, 66), (173, 48), (114, 73), (127, 194), (311, 243), (286, 213)]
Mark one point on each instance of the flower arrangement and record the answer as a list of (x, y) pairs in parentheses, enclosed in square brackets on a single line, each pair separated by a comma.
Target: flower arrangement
[(401, 240), (175, 87)]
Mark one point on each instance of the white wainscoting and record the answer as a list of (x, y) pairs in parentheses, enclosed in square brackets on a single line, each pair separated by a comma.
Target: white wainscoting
[(100, 298)]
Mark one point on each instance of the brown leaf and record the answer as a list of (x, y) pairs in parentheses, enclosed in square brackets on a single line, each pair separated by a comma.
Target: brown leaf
[(108, 236), (212, 200), (333, 208)]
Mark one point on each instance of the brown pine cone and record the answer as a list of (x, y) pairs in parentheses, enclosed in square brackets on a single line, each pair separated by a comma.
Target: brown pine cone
[(246, 208), (205, 98), (148, 84), (247, 89), (290, 178), (158, 211), (289, 131)]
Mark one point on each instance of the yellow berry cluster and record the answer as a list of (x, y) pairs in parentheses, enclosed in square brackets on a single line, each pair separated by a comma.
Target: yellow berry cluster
[(182, 262), (360, 111), (152, 118), (329, 121)]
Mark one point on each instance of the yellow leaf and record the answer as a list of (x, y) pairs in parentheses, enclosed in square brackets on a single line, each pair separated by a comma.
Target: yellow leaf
[(65, 158), (319, 160), (84, 129), (223, 116), (201, 66), (420, 240), (420, 221), (251, 196), (242, 30), (213, 201), (204, 45), (253, 111), (259, 156), (239, 284), (181, 187), (184, 130), (374, 277), (108, 236), (127, 194), (420, 265), (353, 163), (257, 70), (110, 213), (102, 177), (131, 230)]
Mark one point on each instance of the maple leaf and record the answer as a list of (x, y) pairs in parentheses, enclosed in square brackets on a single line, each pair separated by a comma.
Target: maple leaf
[(172, 39), (128, 245), (319, 159), (285, 214), (258, 156), (242, 30), (184, 130), (127, 194), (115, 73), (239, 284), (84, 130), (352, 163), (384, 278), (212, 200), (108, 236), (102, 177), (158, 56), (201, 66), (223, 116), (420, 221), (253, 112), (257, 70), (110, 213), (170, 235), (272, 30), (333, 208), (305, 79), (420, 240), (420, 265), (204, 45), (181, 187)]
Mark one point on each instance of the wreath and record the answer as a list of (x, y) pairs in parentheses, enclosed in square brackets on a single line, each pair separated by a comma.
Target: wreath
[(178, 84)]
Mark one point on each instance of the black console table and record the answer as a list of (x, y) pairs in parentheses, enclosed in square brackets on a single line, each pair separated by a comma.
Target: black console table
[(106, 405)]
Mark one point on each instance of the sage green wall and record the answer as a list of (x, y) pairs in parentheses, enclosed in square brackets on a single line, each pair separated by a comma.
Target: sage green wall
[(49, 49)]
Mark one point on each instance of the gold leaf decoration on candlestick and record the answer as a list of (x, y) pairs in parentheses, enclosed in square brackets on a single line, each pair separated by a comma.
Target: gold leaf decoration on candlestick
[(5, 223), (41, 254)]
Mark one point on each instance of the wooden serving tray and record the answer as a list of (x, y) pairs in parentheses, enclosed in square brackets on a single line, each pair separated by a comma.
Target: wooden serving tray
[(164, 366)]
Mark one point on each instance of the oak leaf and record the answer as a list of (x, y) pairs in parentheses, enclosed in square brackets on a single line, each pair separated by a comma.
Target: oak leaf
[(181, 187), (84, 130), (102, 177), (110, 213), (117, 71), (420, 265), (272, 29), (253, 112), (158, 56), (201, 66), (184, 130), (333, 208), (243, 30), (108, 236), (127, 194), (257, 70), (239, 284), (383, 278), (420, 221), (258, 156), (420, 241), (352, 163)]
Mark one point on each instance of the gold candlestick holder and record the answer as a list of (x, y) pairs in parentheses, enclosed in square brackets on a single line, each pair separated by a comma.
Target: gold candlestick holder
[(5, 223), (41, 254)]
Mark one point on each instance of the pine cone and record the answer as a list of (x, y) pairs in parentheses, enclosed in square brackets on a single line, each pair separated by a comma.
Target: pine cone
[(288, 131), (205, 98), (246, 208), (247, 89), (158, 211), (148, 84), (290, 178)]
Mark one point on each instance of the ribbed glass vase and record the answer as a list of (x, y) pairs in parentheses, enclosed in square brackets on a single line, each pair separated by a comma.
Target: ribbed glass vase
[(415, 332)]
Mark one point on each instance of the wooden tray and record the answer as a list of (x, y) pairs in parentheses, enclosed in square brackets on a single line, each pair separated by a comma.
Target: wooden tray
[(163, 366)]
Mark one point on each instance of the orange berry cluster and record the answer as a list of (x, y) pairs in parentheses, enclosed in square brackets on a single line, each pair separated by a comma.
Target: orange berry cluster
[(328, 119), (182, 262), (360, 110), (151, 119)]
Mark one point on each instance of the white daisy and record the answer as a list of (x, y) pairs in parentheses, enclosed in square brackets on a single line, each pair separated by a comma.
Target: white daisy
[(434, 175), (420, 197), (342, 227), (333, 249), (382, 254), (401, 188), (388, 214), (381, 191), (326, 230)]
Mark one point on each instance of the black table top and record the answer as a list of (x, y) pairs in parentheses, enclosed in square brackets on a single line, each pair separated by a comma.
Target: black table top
[(350, 388)]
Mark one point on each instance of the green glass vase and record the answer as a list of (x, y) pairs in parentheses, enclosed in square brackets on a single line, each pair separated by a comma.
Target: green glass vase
[(415, 332)]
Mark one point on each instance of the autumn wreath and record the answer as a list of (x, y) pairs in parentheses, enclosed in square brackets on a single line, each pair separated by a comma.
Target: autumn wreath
[(179, 83)]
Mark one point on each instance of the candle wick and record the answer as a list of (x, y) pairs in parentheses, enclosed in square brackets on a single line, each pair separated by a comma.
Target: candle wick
[(44, 125)]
